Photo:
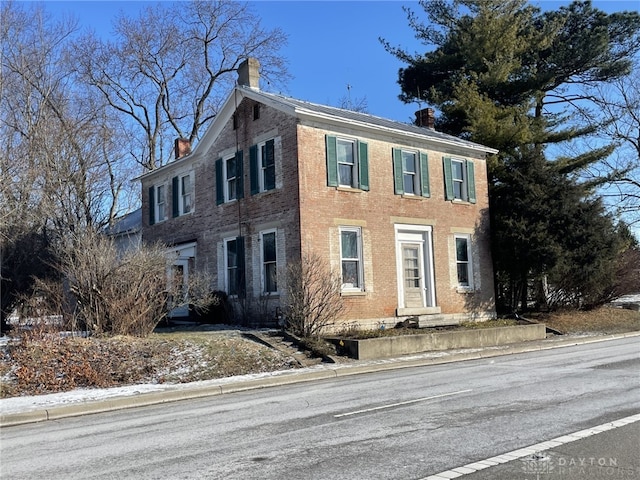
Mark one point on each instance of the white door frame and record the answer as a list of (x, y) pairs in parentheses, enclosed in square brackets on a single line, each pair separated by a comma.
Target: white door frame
[(422, 235)]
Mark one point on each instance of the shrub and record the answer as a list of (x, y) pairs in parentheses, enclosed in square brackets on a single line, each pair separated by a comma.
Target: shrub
[(314, 296)]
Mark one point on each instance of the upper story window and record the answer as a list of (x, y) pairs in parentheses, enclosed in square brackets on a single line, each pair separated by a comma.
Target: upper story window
[(459, 178), (347, 163), (182, 194), (229, 178), (157, 202), (411, 172), (351, 259), (262, 167), (463, 260)]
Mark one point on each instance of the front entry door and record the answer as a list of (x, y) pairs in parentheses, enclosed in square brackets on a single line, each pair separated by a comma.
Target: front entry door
[(413, 275), (179, 280)]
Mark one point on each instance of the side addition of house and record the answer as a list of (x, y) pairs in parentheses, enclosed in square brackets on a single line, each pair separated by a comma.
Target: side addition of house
[(400, 211)]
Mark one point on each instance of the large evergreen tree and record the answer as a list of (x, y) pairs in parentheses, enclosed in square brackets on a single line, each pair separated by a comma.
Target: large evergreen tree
[(501, 73)]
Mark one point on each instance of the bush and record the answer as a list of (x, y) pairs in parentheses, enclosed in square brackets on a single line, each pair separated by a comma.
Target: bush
[(314, 298), (118, 294)]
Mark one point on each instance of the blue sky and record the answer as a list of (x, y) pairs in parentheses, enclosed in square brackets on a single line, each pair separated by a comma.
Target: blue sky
[(332, 44)]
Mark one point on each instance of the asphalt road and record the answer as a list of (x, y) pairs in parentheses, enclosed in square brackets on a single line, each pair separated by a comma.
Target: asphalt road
[(402, 424)]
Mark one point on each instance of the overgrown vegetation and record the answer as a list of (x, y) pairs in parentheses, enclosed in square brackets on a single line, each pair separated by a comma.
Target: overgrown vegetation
[(314, 298), (42, 362)]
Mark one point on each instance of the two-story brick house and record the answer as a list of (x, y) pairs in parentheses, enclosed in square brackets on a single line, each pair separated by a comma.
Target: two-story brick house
[(399, 210)]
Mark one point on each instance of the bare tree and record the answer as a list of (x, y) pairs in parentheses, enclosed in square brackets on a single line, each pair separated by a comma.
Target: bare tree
[(168, 70), (314, 300), (61, 168)]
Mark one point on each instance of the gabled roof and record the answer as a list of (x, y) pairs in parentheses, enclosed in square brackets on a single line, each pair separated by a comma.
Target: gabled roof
[(323, 113)]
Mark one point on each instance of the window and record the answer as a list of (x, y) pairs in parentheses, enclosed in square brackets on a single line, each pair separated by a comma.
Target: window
[(157, 200), (463, 260), (229, 178), (262, 167), (234, 265), (160, 201), (269, 263), (411, 172), (351, 259), (347, 168), (182, 194), (459, 177), (347, 163), (185, 193), (256, 111)]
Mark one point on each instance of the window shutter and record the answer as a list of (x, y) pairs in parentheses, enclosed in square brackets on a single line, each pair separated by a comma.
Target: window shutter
[(448, 179), (253, 169), (152, 205), (471, 182), (270, 165), (219, 183), (363, 165), (424, 175), (332, 161), (240, 278), (175, 196), (239, 175), (397, 171)]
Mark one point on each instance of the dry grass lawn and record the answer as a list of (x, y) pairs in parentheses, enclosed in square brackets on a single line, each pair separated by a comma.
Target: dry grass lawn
[(43, 362)]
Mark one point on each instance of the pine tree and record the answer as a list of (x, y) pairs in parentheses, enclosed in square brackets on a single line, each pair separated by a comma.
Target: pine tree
[(499, 72)]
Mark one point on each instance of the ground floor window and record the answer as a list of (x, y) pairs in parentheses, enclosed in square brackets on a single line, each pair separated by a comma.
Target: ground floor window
[(463, 260), (351, 258)]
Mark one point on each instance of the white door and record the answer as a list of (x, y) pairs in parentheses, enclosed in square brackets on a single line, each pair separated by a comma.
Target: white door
[(179, 282), (413, 275), (414, 261)]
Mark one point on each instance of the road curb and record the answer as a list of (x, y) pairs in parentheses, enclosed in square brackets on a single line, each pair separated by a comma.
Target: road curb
[(288, 378)]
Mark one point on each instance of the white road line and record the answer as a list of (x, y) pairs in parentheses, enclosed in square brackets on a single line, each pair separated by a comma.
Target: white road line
[(408, 402), (533, 449)]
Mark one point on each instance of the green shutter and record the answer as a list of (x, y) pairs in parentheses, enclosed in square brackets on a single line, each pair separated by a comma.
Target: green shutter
[(269, 162), (448, 179), (239, 175), (424, 175), (175, 196), (219, 183), (253, 169), (471, 182), (398, 181), (152, 205), (240, 277), (332, 161), (363, 165)]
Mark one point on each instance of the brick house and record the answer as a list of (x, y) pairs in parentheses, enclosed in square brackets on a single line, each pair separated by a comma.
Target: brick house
[(399, 210)]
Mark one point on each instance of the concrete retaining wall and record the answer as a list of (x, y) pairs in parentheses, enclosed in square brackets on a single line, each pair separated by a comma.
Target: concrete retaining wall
[(394, 346)]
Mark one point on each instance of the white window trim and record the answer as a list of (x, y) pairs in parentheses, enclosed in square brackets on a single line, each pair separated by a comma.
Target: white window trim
[(470, 260), (262, 269), (262, 170), (358, 231), (417, 187), (354, 172), (181, 194), (156, 205), (225, 254), (465, 181), (226, 181)]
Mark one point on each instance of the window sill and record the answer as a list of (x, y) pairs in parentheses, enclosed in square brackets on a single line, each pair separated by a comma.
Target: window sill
[(465, 290), (457, 201), (342, 188), (413, 197), (403, 312), (354, 293)]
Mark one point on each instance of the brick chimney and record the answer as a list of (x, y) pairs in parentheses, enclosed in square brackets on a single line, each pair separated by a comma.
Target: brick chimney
[(426, 118), (182, 147), (249, 73)]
